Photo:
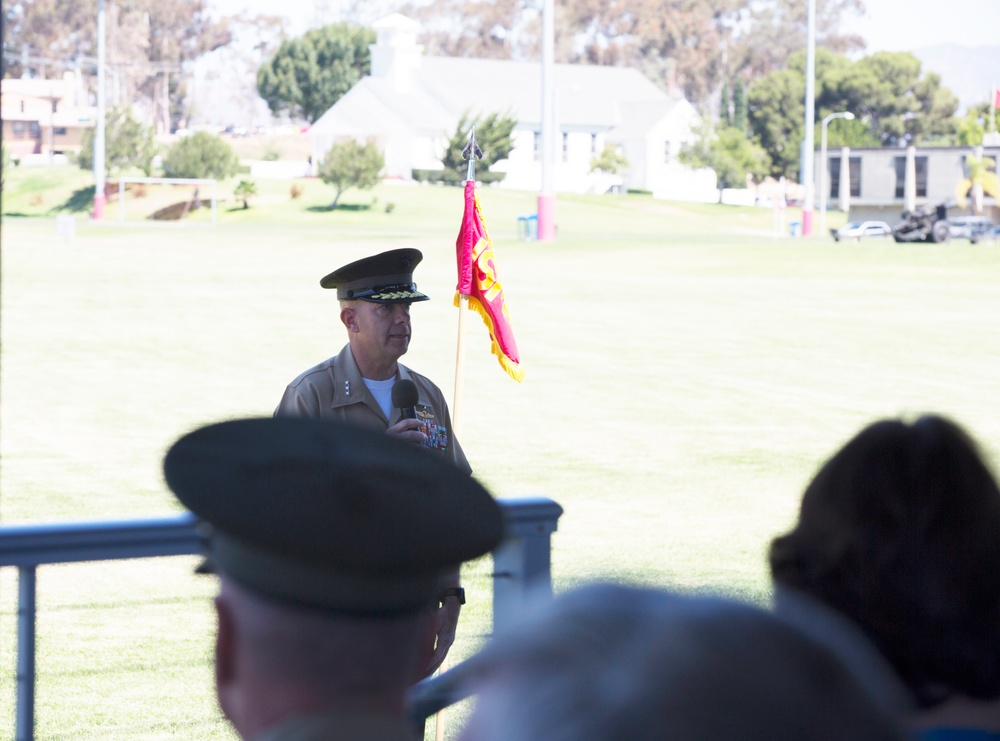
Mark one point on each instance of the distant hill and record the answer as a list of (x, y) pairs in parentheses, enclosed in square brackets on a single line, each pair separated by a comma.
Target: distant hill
[(970, 72)]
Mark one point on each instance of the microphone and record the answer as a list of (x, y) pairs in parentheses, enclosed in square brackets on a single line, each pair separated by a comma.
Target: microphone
[(405, 397)]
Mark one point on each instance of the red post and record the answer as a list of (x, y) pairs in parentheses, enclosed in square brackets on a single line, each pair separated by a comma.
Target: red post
[(98, 206), (546, 216), (807, 222)]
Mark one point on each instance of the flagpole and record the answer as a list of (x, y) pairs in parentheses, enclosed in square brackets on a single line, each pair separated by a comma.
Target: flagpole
[(993, 108), (456, 405), (470, 152)]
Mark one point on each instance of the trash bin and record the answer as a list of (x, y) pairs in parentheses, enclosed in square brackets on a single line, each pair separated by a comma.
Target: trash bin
[(527, 226), (795, 228)]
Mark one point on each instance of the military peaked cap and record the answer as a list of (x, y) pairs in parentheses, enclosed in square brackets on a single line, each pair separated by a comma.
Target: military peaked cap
[(383, 278), (326, 515)]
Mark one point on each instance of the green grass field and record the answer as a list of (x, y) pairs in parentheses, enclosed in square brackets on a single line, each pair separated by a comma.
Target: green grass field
[(686, 374)]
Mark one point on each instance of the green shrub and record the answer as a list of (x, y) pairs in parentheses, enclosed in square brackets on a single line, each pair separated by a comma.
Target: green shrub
[(351, 165), (200, 155)]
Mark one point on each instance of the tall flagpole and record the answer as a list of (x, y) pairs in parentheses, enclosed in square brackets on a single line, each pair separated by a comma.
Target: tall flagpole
[(547, 195), (98, 148), (994, 94), (472, 152)]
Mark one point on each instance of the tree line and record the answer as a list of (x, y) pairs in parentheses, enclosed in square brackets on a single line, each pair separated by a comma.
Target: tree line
[(743, 65)]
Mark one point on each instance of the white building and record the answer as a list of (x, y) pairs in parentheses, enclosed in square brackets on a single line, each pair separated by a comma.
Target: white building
[(882, 183), (411, 104), (45, 117)]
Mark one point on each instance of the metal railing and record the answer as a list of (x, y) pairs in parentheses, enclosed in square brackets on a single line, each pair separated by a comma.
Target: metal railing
[(521, 566)]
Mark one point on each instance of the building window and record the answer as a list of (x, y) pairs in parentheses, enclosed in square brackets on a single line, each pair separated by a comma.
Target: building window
[(667, 151), (565, 146), (593, 145), (538, 146), (34, 130), (921, 167), (854, 164), (60, 131), (855, 174)]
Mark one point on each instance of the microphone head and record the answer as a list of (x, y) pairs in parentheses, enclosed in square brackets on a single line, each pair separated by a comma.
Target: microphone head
[(404, 394)]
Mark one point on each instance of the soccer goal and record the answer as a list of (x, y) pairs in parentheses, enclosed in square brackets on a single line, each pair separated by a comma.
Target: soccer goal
[(165, 200)]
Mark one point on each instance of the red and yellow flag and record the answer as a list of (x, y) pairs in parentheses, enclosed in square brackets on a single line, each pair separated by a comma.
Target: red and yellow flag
[(478, 279)]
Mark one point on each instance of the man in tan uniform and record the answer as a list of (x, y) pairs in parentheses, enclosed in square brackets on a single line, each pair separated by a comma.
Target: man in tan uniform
[(330, 544), (355, 386)]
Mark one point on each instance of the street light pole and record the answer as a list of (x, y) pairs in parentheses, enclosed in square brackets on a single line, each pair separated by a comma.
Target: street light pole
[(825, 167), (808, 155)]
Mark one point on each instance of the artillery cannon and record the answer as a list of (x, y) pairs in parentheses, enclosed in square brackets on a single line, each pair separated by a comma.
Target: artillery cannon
[(923, 225)]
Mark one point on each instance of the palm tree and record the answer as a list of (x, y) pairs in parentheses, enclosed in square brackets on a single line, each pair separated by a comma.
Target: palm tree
[(244, 190), (982, 179)]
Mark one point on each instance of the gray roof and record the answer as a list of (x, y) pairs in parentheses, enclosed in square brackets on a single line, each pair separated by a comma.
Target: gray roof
[(443, 88), (638, 117)]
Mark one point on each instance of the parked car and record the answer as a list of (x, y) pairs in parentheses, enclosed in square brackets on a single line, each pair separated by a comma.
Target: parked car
[(968, 227), (989, 235), (858, 229)]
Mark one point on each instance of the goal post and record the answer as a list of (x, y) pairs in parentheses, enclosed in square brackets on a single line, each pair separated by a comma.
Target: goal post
[(197, 182)]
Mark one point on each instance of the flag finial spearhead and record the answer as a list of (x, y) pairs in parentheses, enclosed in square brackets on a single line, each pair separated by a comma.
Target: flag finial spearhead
[(472, 152)]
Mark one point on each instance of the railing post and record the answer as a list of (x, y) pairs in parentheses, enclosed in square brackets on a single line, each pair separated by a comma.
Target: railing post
[(522, 565), (24, 727)]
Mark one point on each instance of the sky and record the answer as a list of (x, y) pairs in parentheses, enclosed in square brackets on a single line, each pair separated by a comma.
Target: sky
[(905, 25), (889, 25)]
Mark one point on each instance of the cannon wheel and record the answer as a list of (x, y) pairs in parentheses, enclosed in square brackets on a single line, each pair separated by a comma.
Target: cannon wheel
[(940, 232)]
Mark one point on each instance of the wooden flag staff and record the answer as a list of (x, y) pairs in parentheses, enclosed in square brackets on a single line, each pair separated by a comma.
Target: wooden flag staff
[(472, 152)]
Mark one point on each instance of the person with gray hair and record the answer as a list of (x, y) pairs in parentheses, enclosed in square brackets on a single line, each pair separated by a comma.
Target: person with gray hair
[(608, 662), (366, 385)]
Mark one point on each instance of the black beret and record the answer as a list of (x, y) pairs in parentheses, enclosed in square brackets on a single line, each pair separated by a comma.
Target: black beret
[(327, 515), (383, 278)]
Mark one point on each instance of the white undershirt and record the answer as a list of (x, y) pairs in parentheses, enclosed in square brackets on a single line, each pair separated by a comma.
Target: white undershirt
[(382, 391)]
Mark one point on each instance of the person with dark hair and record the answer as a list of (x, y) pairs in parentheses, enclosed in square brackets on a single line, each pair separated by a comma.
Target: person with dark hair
[(609, 662), (900, 532), (331, 544)]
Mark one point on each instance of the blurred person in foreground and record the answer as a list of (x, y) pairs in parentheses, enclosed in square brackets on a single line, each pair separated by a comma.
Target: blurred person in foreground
[(356, 385), (331, 545), (608, 662), (900, 532)]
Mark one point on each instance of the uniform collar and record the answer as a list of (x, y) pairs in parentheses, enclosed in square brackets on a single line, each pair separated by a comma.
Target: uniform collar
[(350, 385)]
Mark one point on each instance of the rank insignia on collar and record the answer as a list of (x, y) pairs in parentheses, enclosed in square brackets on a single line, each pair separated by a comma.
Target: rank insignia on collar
[(347, 388)]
